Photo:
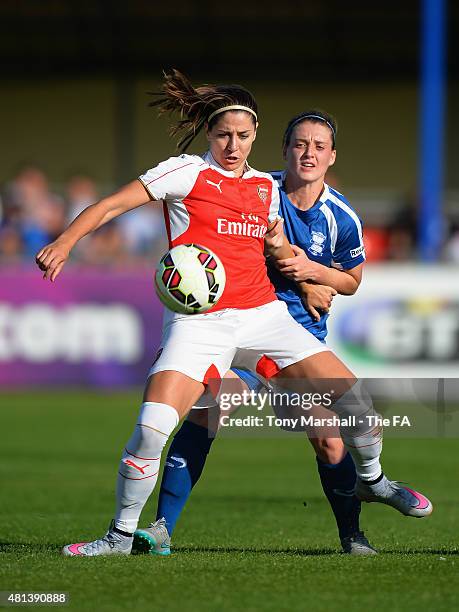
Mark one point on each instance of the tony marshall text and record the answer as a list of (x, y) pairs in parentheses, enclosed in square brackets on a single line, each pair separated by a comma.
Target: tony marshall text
[(311, 421)]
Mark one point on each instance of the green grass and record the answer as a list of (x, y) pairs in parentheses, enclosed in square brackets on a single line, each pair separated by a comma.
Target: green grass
[(256, 535)]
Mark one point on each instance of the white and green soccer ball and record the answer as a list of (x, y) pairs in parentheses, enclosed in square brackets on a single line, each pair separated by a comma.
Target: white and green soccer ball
[(190, 279)]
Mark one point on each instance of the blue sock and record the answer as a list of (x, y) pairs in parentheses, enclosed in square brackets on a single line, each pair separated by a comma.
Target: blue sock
[(184, 464), (338, 481)]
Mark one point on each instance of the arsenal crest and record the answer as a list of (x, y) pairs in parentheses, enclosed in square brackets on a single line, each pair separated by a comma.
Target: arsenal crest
[(263, 192)]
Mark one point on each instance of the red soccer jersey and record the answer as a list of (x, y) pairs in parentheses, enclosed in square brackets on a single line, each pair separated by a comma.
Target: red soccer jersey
[(207, 205)]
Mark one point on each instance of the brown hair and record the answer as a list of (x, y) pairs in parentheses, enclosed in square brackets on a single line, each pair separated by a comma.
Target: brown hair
[(315, 116), (195, 105)]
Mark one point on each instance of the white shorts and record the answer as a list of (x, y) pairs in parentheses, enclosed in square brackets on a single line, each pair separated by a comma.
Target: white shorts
[(265, 339)]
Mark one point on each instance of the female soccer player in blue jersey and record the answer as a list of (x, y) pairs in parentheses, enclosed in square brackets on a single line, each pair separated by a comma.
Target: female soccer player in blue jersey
[(326, 236)]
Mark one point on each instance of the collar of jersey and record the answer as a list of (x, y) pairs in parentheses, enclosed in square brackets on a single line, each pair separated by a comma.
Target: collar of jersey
[(324, 195), (281, 182), (323, 198), (209, 159)]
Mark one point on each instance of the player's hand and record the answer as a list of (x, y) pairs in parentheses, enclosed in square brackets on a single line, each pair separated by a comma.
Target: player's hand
[(317, 299), (51, 259), (299, 268)]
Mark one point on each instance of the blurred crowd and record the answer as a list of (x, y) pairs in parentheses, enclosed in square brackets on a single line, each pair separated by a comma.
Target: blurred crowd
[(32, 215)]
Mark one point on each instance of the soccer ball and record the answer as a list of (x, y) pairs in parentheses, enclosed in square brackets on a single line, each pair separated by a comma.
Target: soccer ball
[(190, 279)]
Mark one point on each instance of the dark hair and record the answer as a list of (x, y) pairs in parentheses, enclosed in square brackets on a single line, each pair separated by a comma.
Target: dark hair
[(195, 105), (315, 116)]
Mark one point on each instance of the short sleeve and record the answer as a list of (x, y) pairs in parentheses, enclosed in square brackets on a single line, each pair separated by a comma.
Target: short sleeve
[(275, 202), (172, 179), (349, 249)]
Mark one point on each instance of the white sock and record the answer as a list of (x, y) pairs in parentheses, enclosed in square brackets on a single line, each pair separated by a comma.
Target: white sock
[(365, 451), (140, 462), (364, 441)]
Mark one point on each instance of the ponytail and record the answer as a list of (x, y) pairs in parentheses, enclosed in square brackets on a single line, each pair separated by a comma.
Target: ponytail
[(196, 105)]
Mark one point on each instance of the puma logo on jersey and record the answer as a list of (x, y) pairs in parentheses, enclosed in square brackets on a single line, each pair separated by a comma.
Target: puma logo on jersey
[(217, 185)]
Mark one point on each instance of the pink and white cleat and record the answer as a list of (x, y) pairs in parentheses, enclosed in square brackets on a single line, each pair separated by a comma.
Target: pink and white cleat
[(112, 543), (390, 492)]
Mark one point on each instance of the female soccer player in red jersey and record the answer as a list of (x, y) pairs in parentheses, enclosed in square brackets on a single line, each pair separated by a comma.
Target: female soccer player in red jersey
[(329, 231), (203, 197)]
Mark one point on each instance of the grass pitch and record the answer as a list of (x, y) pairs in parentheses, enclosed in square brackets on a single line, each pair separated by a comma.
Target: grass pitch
[(257, 534)]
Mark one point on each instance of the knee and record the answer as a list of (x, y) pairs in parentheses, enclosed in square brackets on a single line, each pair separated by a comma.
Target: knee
[(146, 437), (329, 450), (154, 425)]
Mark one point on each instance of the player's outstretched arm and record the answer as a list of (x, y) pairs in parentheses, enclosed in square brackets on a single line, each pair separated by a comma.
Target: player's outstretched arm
[(53, 256)]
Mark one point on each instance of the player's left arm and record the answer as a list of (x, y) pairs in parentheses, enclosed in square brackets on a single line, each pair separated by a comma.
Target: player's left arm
[(300, 268), (293, 262), (348, 256)]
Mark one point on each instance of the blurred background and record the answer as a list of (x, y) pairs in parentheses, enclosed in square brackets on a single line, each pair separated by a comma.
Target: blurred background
[(75, 125)]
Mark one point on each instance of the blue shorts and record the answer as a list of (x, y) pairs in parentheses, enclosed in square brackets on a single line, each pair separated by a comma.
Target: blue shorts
[(250, 379)]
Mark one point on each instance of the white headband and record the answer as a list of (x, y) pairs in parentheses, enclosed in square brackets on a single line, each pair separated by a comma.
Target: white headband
[(306, 117), (233, 107)]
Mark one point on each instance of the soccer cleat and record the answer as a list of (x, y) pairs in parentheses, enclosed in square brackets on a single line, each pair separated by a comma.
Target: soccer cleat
[(390, 492), (112, 543), (153, 540), (357, 544)]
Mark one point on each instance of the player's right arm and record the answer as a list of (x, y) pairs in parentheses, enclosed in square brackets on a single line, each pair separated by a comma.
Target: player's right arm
[(54, 255)]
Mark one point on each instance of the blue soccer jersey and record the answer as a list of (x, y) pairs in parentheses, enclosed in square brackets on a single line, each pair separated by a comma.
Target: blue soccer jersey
[(330, 233)]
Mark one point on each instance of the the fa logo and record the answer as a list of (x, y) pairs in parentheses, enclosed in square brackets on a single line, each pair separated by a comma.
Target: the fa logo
[(317, 240), (263, 192)]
